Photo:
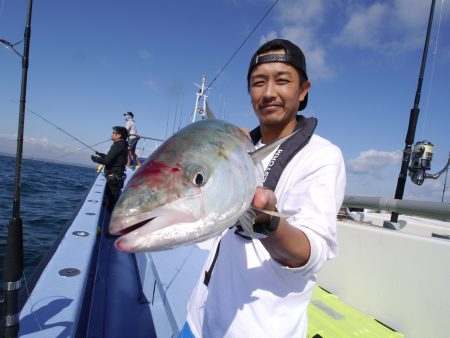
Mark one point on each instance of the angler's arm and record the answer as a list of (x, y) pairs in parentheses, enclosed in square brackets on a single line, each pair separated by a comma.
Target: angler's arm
[(288, 245), (307, 238), (111, 155)]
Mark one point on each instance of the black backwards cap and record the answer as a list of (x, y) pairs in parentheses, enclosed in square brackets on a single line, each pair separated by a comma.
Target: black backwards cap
[(293, 56)]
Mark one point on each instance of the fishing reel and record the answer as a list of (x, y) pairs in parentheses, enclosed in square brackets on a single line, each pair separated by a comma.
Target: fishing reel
[(421, 162)]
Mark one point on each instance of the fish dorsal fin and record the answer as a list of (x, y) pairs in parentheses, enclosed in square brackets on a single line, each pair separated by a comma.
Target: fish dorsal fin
[(259, 154)]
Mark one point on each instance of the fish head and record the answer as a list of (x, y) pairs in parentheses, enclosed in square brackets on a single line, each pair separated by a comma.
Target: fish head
[(191, 189)]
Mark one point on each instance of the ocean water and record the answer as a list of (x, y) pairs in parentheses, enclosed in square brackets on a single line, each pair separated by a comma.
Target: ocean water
[(50, 195)]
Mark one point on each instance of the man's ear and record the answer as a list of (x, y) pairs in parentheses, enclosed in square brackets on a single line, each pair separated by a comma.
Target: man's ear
[(305, 87)]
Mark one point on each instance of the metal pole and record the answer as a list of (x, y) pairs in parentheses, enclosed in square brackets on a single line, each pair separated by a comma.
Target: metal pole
[(413, 117), (195, 108), (445, 182), (13, 264), (434, 210), (199, 95)]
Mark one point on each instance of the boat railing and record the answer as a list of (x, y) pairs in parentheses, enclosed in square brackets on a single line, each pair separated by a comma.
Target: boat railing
[(428, 209), (53, 307)]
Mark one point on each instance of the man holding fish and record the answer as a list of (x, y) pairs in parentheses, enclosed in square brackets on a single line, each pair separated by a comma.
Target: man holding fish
[(261, 288), (272, 203)]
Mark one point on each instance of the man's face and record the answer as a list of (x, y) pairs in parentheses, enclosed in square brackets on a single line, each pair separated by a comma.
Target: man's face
[(275, 91), (115, 136)]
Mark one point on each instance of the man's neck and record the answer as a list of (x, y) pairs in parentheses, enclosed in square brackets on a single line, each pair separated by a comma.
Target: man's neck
[(271, 133)]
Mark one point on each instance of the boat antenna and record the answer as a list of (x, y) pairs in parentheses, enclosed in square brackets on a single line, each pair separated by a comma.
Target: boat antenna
[(413, 117), (59, 128), (13, 263)]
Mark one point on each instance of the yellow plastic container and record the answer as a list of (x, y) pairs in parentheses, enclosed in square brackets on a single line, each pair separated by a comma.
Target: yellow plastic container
[(99, 168), (329, 317)]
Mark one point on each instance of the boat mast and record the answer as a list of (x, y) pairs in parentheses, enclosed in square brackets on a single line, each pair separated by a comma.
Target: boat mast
[(413, 117), (13, 264), (200, 96)]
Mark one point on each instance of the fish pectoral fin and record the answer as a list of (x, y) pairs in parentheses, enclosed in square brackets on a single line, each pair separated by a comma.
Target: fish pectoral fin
[(270, 212), (247, 220), (259, 154)]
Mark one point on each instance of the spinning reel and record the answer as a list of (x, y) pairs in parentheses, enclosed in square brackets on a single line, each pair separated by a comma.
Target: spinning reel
[(421, 162)]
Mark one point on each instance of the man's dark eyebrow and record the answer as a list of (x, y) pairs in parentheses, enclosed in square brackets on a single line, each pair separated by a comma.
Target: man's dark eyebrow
[(279, 73), (257, 75), (285, 72)]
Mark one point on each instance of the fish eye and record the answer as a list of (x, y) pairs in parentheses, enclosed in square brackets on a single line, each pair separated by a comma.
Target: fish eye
[(198, 179), (196, 175)]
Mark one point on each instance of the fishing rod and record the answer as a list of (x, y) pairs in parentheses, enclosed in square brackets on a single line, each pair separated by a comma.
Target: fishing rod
[(75, 138), (413, 117), (11, 46), (92, 145), (151, 138), (241, 45), (57, 127), (14, 257)]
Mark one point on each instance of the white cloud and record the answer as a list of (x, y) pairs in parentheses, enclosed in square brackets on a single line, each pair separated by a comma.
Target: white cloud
[(43, 148), (44, 143), (267, 37), (430, 190), (389, 27), (304, 12), (316, 63), (375, 173), (300, 21), (363, 28), (411, 14), (373, 162)]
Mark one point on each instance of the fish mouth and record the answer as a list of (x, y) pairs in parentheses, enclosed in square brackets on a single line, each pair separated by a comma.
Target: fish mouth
[(150, 221), (137, 232), (134, 227)]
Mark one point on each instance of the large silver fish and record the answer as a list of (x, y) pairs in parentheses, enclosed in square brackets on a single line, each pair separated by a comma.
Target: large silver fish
[(195, 185)]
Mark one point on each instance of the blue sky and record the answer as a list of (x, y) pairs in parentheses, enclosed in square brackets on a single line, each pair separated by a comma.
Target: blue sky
[(91, 61)]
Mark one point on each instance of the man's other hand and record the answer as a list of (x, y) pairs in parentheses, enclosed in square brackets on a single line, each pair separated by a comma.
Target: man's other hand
[(95, 158)]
